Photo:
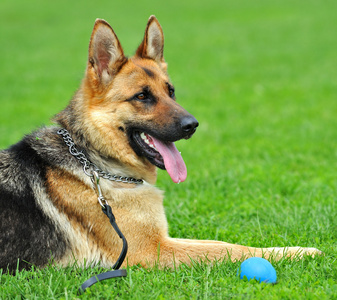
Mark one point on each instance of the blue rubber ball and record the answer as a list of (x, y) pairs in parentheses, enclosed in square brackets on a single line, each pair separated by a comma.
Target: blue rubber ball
[(258, 268)]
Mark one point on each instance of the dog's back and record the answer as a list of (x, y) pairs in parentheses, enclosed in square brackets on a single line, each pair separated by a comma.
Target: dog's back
[(26, 232)]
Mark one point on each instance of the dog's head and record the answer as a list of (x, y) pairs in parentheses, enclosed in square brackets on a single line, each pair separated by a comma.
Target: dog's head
[(130, 103)]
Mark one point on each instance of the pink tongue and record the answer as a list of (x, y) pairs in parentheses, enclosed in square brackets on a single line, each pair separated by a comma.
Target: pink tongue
[(173, 160)]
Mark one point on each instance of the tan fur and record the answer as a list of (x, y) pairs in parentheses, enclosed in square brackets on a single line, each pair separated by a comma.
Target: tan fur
[(140, 215), (104, 115)]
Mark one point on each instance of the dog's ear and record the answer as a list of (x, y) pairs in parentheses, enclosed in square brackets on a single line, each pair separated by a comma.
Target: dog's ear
[(106, 55), (152, 45)]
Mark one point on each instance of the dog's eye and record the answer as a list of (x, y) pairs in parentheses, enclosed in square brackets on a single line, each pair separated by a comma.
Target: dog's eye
[(171, 92), (141, 96), (145, 96)]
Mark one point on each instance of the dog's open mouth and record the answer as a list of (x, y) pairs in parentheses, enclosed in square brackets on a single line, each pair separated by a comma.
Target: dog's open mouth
[(164, 155)]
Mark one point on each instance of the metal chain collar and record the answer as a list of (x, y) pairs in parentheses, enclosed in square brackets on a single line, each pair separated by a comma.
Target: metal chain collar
[(95, 173), (89, 168)]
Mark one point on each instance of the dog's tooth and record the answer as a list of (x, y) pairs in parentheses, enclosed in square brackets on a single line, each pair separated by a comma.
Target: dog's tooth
[(148, 140), (145, 138)]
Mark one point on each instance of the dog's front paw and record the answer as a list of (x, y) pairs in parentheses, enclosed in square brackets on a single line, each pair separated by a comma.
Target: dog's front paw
[(293, 252), (300, 252)]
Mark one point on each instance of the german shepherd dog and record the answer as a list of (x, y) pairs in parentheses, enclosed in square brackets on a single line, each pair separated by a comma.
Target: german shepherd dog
[(120, 125)]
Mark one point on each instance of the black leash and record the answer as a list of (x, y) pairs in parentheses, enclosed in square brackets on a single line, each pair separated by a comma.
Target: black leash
[(106, 208), (95, 173)]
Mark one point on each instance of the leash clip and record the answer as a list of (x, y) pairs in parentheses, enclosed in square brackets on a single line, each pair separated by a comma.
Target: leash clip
[(95, 180)]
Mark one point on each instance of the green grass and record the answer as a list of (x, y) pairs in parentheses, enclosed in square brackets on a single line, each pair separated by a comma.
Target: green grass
[(260, 76)]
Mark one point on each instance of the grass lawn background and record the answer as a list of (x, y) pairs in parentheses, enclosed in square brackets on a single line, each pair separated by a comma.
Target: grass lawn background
[(261, 78)]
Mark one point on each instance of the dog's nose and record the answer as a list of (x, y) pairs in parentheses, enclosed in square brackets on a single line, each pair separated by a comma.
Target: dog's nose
[(189, 124)]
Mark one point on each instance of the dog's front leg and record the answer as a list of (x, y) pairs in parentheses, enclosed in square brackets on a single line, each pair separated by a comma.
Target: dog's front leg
[(186, 250), (172, 252)]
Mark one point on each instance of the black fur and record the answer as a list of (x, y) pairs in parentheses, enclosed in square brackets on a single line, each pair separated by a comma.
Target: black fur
[(26, 232), (148, 72)]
